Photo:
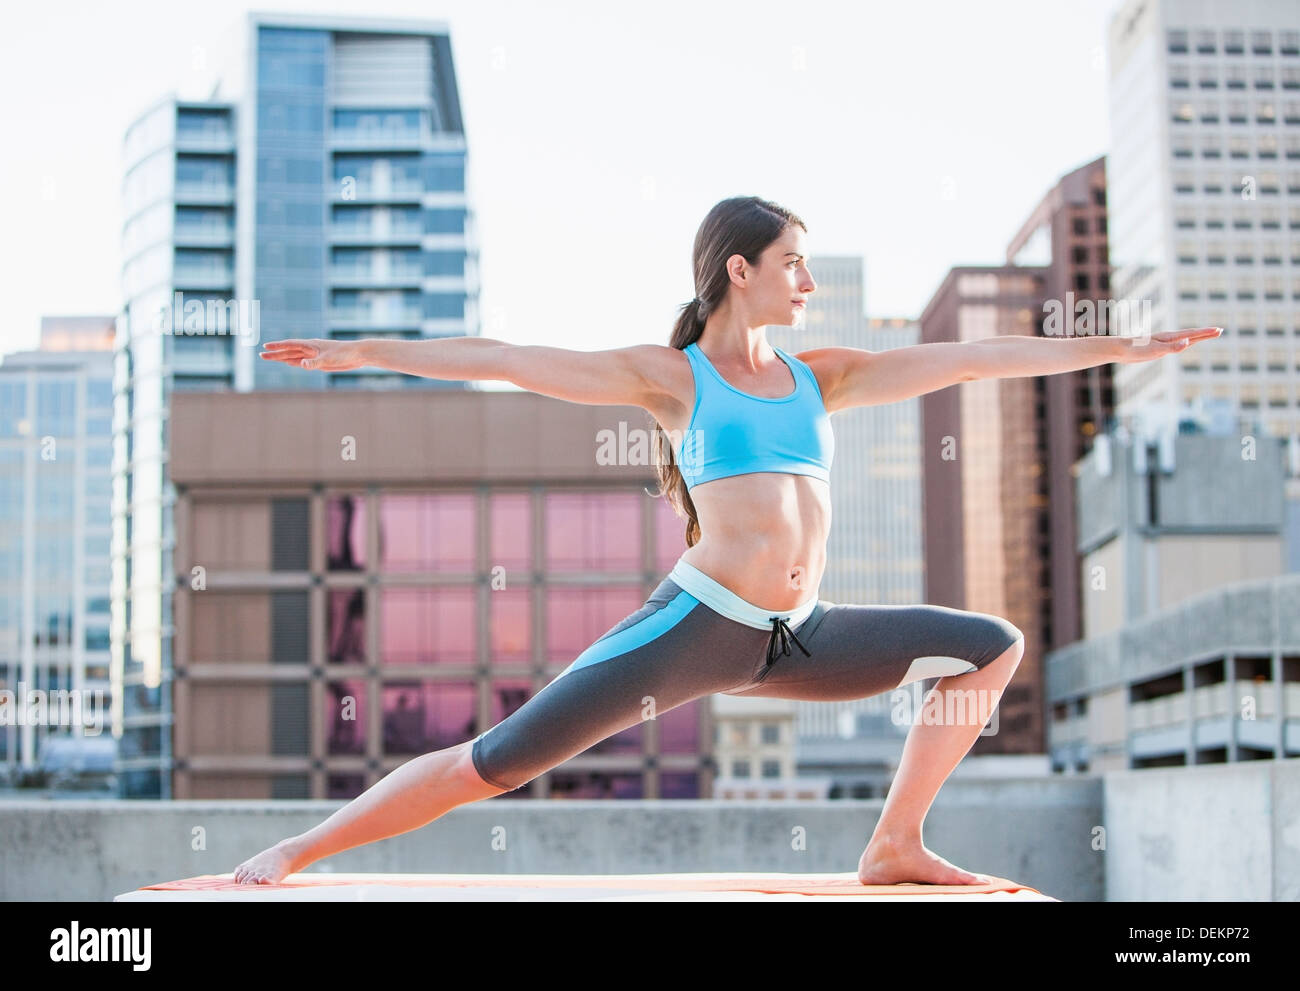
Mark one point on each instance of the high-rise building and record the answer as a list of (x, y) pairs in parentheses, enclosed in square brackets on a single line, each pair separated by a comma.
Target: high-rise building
[(1203, 181), (1066, 234), (55, 453), (985, 484), (320, 193), (1000, 529)]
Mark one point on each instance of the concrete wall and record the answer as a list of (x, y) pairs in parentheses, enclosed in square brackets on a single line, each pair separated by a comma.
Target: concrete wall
[(1032, 830), (1213, 833), (1216, 832)]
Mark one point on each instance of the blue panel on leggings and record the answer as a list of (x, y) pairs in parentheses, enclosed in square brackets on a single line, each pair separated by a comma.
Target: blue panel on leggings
[(638, 635)]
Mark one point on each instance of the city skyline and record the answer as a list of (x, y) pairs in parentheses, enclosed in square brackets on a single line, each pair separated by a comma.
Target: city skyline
[(821, 70)]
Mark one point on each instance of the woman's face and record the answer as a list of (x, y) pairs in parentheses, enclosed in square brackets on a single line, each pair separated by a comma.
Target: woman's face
[(782, 283)]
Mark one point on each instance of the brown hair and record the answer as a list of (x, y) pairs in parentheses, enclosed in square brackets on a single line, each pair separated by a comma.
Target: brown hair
[(742, 225)]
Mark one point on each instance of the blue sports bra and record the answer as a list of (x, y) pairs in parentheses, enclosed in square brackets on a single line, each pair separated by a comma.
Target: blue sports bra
[(734, 433)]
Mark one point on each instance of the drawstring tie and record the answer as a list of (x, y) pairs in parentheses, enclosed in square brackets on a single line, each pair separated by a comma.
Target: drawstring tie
[(781, 627)]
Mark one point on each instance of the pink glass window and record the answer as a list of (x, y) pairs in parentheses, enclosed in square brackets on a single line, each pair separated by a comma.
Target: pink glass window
[(593, 531), (424, 716), (346, 632), (510, 615), (427, 532), (427, 626), (345, 529), (345, 716), (511, 533)]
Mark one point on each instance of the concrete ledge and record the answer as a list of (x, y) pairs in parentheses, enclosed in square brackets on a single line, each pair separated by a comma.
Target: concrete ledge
[(1032, 830)]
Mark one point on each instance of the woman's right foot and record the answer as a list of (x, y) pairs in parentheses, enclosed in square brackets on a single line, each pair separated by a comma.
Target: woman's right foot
[(271, 866)]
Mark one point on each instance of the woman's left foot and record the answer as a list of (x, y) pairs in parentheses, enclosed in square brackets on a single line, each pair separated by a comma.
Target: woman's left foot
[(884, 863)]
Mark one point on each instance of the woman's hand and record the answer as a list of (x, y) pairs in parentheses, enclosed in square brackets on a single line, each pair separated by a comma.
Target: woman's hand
[(316, 354), (1163, 343)]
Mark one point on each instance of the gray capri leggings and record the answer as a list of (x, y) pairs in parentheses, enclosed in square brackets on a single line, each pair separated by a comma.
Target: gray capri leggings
[(695, 637)]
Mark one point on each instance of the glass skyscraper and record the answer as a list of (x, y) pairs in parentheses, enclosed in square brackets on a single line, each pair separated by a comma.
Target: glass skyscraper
[(55, 451), (321, 193)]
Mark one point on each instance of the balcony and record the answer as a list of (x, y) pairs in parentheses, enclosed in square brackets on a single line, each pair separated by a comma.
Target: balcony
[(361, 318), (372, 277), (377, 138), (194, 236), (187, 361), (205, 193), (395, 191), (186, 277), (207, 141), (404, 234)]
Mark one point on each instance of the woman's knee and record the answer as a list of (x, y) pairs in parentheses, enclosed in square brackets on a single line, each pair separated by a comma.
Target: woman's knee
[(1009, 643), (473, 777)]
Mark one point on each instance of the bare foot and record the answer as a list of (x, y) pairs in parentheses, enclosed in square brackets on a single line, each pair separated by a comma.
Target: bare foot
[(886, 863), (271, 866)]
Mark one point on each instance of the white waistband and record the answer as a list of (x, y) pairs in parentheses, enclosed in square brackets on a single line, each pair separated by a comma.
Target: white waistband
[(723, 600)]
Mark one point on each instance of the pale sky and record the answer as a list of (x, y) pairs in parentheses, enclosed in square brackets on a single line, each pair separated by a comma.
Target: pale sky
[(599, 136)]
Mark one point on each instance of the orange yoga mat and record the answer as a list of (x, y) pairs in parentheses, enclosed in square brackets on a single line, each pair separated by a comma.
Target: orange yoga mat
[(453, 886)]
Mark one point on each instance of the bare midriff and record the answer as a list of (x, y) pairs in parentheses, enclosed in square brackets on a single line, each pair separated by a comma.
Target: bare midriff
[(763, 536)]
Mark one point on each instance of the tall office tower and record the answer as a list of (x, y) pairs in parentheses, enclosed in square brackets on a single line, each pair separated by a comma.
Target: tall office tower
[(1204, 198), (320, 193), (1066, 233), (55, 451), (985, 484)]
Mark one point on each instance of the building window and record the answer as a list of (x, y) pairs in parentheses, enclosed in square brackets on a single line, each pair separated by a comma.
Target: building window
[(345, 615), (427, 532), (740, 768), (771, 768), (511, 531), (346, 533), (771, 733), (428, 626), (593, 531)]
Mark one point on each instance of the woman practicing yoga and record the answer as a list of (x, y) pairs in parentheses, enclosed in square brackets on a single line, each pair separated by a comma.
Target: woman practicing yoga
[(744, 450)]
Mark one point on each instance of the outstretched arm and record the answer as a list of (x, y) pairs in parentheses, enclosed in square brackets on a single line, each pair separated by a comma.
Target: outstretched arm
[(855, 377), (1016, 356), (614, 377)]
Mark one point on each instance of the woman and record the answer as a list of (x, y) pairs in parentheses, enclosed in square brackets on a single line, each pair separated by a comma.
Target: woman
[(744, 449)]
